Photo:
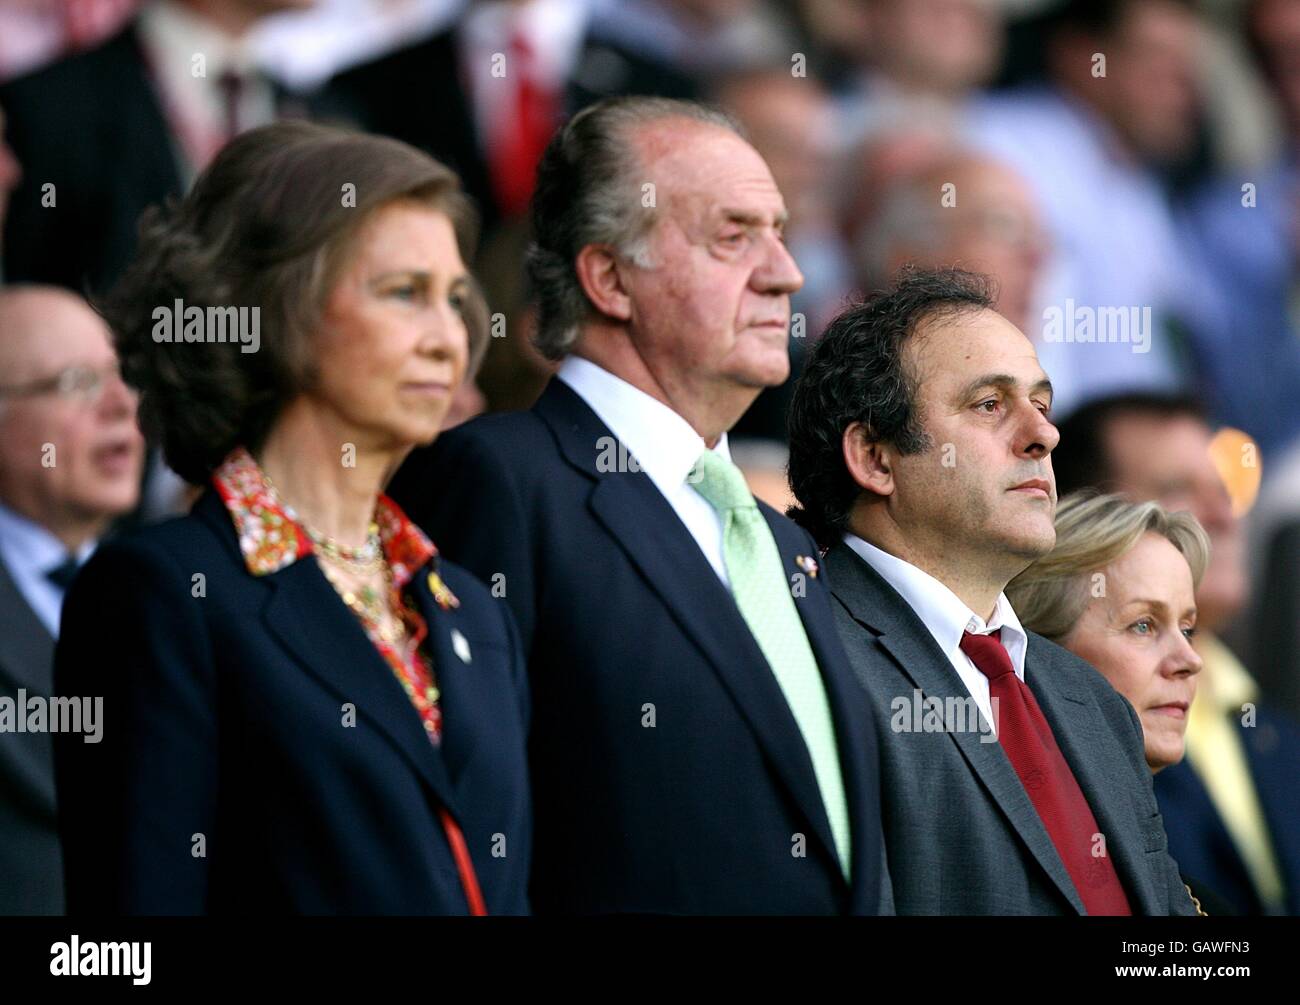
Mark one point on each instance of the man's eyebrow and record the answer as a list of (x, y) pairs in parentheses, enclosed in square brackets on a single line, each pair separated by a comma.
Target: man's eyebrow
[(752, 219), (1003, 381)]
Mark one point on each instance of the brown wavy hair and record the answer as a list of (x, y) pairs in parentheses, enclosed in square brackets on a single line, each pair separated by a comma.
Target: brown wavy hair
[(268, 224)]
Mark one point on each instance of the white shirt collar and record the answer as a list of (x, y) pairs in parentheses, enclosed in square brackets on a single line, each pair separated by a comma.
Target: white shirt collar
[(663, 443), (176, 34), (27, 545), (944, 613)]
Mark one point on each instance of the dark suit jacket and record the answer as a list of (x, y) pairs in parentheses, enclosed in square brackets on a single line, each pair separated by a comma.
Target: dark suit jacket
[(1197, 836), (624, 619), (93, 126), (31, 879), (417, 94), (1275, 658), (961, 833), (224, 716)]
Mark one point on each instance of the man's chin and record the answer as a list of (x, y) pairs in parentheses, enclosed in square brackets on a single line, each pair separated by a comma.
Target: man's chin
[(767, 373), (1031, 542)]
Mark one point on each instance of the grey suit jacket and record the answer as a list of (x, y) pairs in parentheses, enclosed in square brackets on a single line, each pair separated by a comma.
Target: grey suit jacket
[(31, 864), (961, 835)]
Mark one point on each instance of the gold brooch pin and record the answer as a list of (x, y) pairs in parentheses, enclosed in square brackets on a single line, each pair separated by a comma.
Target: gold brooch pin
[(442, 593), (808, 565)]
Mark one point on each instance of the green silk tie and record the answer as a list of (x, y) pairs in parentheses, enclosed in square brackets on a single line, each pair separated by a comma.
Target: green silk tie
[(765, 600)]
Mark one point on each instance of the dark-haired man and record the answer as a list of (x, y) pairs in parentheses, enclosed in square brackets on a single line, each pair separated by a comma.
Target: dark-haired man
[(1013, 778), (698, 743)]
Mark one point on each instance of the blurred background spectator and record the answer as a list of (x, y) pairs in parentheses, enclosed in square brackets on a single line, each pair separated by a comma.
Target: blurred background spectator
[(70, 462), (1117, 103), (991, 224), (1242, 234), (109, 131)]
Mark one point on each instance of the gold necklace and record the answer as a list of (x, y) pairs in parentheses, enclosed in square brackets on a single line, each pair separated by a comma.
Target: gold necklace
[(368, 604)]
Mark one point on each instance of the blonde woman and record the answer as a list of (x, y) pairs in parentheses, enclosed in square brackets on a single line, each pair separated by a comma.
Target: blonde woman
[(1118, 590)]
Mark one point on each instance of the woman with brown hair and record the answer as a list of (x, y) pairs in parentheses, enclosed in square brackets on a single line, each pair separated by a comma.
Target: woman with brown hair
[(304, 709)]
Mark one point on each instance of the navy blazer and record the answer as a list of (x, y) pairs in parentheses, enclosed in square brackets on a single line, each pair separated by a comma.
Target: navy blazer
[(108, 151), (1199, 840), (259, 755), (669, 775), (31, 880)]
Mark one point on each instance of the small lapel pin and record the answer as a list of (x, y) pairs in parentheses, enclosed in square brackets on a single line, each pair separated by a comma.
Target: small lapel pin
[(808, 565), (445, 598), (460, 644)]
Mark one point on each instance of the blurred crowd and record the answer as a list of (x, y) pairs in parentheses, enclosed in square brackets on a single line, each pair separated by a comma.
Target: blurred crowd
[(1125, 170)]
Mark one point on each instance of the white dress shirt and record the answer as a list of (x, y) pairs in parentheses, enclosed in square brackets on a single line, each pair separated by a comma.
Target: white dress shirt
[(555, 30), (173, 36), (664, 445), (29, 551), (947, 617)]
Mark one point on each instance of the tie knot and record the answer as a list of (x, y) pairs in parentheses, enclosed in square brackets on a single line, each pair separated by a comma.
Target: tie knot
[(720, 482), (64, 573), (988, 653)]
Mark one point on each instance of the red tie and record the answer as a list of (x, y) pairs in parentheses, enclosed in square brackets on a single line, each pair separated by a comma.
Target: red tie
[(1027, 740), (525, 133)]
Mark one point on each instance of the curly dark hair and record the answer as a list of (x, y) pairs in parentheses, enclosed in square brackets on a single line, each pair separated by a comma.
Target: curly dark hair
[(857, 373), (269, 224)]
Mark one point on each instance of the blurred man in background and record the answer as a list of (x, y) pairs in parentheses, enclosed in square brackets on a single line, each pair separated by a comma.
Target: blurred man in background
[(965, 210), (486, 93), (107, 132), (1232, 807), (1119, 103), (1244, 235), (920, 58), (70, 461)]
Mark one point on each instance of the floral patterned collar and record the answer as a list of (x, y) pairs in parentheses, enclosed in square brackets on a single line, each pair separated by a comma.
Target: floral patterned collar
[(271, 536)]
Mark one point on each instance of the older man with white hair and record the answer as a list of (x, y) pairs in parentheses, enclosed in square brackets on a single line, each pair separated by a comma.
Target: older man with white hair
[(698, 745)]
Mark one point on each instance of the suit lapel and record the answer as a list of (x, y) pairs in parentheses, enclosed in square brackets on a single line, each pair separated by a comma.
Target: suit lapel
[(845, 698), (1081, 735), (899, 632), (28, 653), (646, 528), (306, 615), (462, 687)]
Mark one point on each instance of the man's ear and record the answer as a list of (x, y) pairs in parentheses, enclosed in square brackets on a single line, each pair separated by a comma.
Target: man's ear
[(869, 461), (598, 272)]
